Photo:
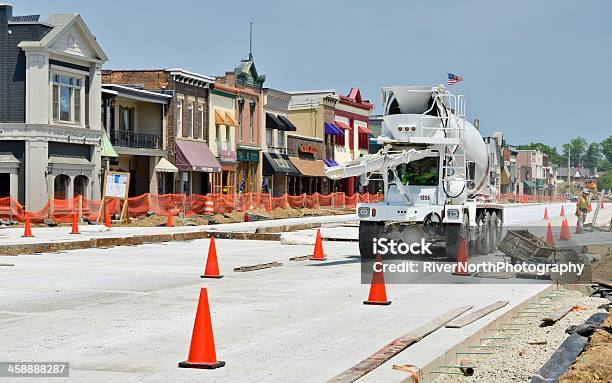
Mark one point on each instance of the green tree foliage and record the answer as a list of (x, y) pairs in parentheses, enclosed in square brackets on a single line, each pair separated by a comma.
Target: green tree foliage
[(605, 181), (592, 155), (606, 148), (578, 148)]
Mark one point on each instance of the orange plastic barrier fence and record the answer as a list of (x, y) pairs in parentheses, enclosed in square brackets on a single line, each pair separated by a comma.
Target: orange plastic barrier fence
[(61, 210)]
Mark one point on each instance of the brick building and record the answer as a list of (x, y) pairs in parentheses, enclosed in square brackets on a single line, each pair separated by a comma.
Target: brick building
[(187, 128), (250, 135)]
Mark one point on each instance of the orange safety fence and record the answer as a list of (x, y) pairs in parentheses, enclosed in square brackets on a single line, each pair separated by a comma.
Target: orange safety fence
[(61, 210), (526, 198)]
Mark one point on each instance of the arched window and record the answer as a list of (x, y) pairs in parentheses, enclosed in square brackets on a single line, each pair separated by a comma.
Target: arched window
[(80, 185), (60, 186)]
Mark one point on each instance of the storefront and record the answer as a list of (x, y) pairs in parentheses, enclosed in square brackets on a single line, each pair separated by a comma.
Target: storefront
[(248, 160), (225, 181), (307, 154), (277, 170), (194, 161)]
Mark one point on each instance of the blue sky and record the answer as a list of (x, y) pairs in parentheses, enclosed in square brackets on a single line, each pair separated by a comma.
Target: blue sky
[(536, 70)]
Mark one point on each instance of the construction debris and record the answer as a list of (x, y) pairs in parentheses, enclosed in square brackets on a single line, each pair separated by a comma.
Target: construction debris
[(258, 266)]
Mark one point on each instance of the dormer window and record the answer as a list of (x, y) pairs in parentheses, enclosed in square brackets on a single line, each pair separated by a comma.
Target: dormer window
[(67, 98)]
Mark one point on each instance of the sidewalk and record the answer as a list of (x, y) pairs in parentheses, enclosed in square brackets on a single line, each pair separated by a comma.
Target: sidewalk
[(51, 238)]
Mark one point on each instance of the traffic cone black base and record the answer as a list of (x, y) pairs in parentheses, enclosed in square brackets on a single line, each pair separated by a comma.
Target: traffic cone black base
[(313, 258), (204, 366), (386, 303), (212, 276)]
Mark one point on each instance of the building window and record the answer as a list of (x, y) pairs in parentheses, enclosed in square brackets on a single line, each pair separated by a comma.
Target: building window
[(218, 139), (269, 135), (179, 117), (201, 122), (127, 119), (251, 119), (228, 136), (240, 111), (281, 139), (189, 125), (67, 98)]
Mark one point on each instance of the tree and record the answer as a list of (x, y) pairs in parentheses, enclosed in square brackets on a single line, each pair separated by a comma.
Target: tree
[(605, 181), (551, 152), (578, 148), (592, 155), (606, 148)]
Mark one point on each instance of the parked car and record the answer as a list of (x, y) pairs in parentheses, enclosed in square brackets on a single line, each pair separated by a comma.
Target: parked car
[(570, 197)]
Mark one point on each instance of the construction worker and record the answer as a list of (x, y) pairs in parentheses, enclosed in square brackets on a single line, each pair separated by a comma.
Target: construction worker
[(582, 209)]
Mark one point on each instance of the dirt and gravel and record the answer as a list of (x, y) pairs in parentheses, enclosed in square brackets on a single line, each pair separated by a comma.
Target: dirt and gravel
[(594, 365), (531, 346)]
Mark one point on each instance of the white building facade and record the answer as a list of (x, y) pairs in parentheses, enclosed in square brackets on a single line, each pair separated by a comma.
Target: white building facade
[(51, 120)]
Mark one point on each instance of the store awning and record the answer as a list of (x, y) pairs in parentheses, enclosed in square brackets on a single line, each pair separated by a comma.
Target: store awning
[(363, 129), (220, 118), (288, 123), (332, 129), (330, 163), (342, 125), (529, 184), (107, 149), (195, 156), (309, 168), (273, 122), (164, 166), (278, 164), (230, 119)]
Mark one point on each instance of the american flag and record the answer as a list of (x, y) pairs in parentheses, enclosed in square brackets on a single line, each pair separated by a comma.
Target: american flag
[(453, 79)]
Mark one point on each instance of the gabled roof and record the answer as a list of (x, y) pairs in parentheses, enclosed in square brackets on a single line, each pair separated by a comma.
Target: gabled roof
[(354, 99), (61, 23)]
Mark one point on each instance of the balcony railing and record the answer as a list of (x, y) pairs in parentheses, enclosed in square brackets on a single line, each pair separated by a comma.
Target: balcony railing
[(136, 139)]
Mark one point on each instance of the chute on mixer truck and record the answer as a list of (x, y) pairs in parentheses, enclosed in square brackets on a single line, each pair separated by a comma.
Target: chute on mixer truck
[(436, 171)]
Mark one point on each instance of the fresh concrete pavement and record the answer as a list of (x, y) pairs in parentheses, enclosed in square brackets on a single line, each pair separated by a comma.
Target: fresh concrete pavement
[(125, 314)]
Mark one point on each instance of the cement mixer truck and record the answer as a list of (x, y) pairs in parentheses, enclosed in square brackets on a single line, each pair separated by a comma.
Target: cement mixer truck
[(436, 172)]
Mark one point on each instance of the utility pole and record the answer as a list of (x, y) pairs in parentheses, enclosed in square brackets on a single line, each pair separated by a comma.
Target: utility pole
[(569, 177), (251, 42)]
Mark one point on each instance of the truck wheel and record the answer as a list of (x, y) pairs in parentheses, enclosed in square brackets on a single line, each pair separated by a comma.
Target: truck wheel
[(483, 236), (367, 232), (451, 244)]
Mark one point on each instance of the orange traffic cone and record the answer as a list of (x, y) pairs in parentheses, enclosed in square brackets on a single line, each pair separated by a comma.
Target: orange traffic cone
[(549, 236), (246, 217), (75, 224), (564, 235), (562, 212), (546, 213), (27, 231), (589, 208), (602, 204), (169, 222), (318, 249), (107, 220), (462, 260), (212, 267), (378, 293), (202, 349)]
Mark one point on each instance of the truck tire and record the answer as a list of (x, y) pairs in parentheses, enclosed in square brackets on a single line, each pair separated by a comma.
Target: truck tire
[(367, 232)]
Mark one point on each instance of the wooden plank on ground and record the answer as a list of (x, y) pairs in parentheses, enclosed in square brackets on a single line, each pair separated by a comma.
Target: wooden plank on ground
[(555, 316), (258, 266), (475, 315), (395, 347)]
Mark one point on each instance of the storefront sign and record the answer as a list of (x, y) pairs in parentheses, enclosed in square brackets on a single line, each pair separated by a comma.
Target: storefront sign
[(307, 149)]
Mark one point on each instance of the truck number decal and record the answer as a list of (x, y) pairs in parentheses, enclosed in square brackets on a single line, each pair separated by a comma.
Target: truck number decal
[(425, 197)]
